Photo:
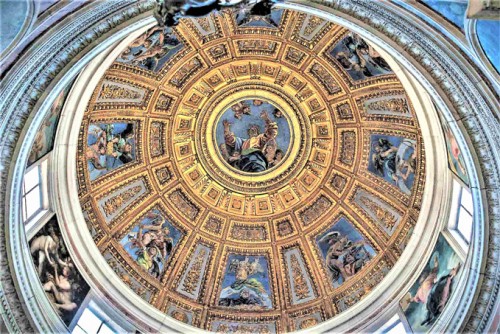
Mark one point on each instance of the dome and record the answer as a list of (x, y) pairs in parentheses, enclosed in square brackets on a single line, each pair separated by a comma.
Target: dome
[(253, 166)]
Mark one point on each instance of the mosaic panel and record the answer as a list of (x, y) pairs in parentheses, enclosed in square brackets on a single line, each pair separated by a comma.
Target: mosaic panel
[(246, 283), (250, 19), (63, 284), (394, 159), (152, 49), (428, 297), (110, 146), (151, 241), (253, 135), (344, 250), (359, 59)]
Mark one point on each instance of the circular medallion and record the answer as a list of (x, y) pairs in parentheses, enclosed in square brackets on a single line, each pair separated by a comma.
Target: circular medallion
[(253, 136), (241, 164)]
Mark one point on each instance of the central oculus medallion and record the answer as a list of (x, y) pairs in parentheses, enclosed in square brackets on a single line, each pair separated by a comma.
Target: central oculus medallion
[(253, 135)]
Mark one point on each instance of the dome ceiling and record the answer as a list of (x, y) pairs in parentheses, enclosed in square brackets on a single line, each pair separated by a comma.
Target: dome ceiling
[(250, 173)]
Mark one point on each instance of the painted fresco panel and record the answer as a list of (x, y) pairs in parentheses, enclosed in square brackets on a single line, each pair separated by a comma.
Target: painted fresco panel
[(428, 297), (44, 138), (394, 159), (359, 59), (455, 156), (64, 286), (253, 136), (345, 251), (12, 17), (152, 50), (246, 283), (151, 242), (453, 11), (109, 146), (488, 33)]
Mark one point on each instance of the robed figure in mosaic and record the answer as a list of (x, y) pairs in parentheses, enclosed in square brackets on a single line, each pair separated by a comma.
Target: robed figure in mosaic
[(248, 154), (247, 290)]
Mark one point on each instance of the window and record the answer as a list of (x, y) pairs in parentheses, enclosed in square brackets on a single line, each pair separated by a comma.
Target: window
[(32, 201), (91, 323), (463, 224), (461, 215), (393, 326)]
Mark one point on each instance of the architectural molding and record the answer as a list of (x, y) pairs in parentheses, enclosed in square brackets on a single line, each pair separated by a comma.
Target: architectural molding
[(483, 61)]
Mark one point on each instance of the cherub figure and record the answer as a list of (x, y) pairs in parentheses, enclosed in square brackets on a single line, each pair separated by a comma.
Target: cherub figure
[(240, 109)]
